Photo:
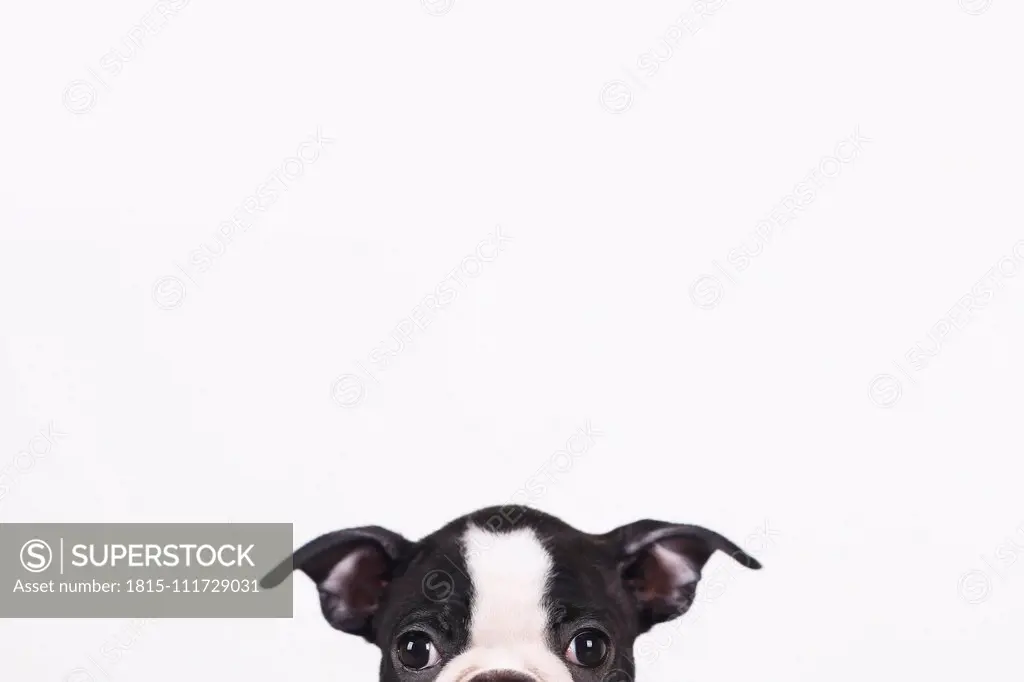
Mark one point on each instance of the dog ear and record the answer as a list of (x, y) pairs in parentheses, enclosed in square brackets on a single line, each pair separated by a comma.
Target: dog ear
[(660, 564), (351, 569)]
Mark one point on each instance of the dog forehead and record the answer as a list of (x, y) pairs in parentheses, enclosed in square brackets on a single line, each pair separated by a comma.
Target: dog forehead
[(438, 568), (578, 560), (569, 547)]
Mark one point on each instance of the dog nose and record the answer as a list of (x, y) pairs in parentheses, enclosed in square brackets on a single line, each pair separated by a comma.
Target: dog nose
[(501, 676)]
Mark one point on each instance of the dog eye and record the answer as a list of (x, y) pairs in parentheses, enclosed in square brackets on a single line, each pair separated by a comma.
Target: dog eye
[(588, 649), (416, 651)]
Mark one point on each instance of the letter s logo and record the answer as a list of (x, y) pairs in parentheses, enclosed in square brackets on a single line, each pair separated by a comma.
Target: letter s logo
[(36, 556)]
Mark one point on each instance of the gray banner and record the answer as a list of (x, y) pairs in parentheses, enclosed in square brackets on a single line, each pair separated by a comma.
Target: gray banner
[(142, 570)]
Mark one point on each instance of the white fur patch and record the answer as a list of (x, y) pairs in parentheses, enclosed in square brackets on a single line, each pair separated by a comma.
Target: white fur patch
[(509, 617), (510, 573)]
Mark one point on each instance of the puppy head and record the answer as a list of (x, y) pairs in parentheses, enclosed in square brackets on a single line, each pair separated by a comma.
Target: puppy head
[(507, 594)]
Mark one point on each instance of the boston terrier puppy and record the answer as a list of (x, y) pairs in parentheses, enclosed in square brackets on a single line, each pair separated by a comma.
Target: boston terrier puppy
[(507, 594)]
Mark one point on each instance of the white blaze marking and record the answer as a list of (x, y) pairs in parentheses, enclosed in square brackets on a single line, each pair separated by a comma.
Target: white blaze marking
[(508, 623), (510, 573)]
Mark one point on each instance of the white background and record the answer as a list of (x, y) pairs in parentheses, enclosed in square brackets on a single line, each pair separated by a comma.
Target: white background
[(780, 395)]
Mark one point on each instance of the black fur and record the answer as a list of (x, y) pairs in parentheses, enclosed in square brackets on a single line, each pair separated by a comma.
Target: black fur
[(610, 582)]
